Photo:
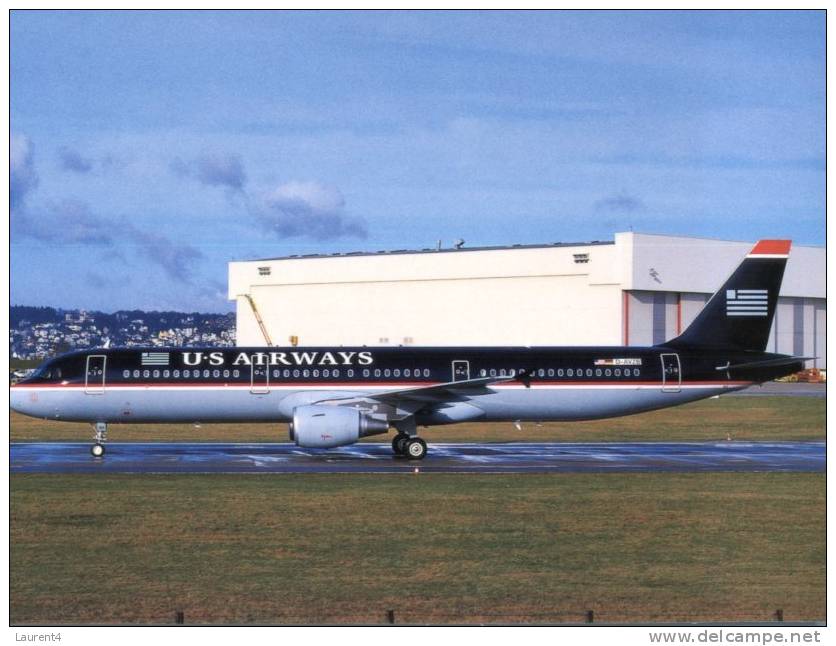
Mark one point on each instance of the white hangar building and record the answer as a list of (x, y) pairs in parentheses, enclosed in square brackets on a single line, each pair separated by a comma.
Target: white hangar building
[(638, 289)]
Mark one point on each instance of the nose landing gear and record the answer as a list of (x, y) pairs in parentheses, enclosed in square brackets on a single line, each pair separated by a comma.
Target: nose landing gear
[(98, 449)]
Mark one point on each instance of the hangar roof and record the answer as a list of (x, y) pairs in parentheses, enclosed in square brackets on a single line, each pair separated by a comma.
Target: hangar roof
[(392, 252)]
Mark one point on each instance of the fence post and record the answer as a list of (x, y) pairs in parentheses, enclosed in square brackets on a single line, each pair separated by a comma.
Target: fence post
[(779, 615), (179, 617), (390, 616), (590, 616)]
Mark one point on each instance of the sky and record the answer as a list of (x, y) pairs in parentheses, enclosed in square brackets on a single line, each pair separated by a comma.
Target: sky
[(149, 149)]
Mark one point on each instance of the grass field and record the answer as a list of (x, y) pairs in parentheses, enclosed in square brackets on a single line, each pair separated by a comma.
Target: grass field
[(633, 548), (741, 418), (435, 548)]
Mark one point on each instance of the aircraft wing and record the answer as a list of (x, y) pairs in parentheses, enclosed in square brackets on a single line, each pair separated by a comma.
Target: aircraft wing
[(450, 391), (412, 399)]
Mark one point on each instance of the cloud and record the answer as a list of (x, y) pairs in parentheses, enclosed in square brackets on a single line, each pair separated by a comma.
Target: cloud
[(23, 178), (622, 203), (72, 222), (294, 209), (175, 259), (100, 281), (226, 170), (72, 160), (308, 209), (66, 222)]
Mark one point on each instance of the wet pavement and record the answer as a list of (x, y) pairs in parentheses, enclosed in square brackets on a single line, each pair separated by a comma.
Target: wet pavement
[(515, 457)]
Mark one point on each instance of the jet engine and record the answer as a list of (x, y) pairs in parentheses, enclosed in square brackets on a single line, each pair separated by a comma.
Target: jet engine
[(321, 427)]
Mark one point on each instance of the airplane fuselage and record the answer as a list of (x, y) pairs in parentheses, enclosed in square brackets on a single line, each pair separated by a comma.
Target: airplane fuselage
[(266, 384)]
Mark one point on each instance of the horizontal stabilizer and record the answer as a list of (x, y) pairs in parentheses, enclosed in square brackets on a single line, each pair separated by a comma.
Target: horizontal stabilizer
[(766, 363)]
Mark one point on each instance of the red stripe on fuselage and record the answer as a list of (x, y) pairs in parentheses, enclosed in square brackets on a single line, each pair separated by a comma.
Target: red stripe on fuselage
[(367, 384)]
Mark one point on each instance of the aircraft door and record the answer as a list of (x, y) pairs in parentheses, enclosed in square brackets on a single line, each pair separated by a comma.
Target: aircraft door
[(461, 370), (671, 373), (94, 377), (259, 379)]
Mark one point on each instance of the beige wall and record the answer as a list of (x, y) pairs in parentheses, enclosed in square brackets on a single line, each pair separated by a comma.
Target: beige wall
[(519, 297)]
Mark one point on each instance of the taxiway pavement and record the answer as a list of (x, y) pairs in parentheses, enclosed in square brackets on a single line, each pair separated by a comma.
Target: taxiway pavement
[(516, 457)]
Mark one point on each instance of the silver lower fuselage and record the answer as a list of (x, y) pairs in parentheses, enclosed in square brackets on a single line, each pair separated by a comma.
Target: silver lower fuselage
[(239, 403)]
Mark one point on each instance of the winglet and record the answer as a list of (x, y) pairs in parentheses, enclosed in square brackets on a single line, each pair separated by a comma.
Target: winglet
[(771, 249)]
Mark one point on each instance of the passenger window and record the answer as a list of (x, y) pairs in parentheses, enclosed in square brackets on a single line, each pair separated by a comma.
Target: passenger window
[(396, 373), (589, 372), (551, 372), (336, 373), (597, 372), (493, 372), (226, 374), (126, 373), (187, 373), (618, 372), (176, 374), (146, 373), (166, 374), (216, 373), (377, 372), (136, 374), (607, 372), (156, 374), (316, 373), (570, 372), (426, 372), (235, 373), (387, 372), (636, 372), (296, 374), (206, 374), (275, 374), (306, 373), (366, 372), (326, 373)]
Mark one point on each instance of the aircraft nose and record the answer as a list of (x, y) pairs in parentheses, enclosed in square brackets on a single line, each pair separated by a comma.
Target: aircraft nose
[(22, 401)]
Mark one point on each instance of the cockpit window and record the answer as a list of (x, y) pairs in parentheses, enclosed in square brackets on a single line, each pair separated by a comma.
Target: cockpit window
[(47, 372)]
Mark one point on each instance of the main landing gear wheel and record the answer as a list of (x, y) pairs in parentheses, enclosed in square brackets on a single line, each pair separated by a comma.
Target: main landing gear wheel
[(416, 448), (97, 450), (399, 444)]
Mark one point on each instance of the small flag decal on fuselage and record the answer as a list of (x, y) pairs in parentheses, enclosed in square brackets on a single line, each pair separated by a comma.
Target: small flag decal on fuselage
[(618, 362), (155, 358), (747, 302)]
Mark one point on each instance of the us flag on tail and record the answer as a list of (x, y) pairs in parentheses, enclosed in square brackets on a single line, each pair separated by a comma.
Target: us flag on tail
[(747, 302)]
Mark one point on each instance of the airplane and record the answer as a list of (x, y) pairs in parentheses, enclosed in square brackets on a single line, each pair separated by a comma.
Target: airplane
[(333, 396)]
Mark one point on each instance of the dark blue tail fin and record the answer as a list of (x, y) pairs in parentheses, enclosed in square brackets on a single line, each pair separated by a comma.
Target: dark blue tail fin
[(739, 316)]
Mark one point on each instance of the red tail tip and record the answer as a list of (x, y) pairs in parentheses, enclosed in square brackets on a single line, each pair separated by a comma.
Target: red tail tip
[(771, 248)]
